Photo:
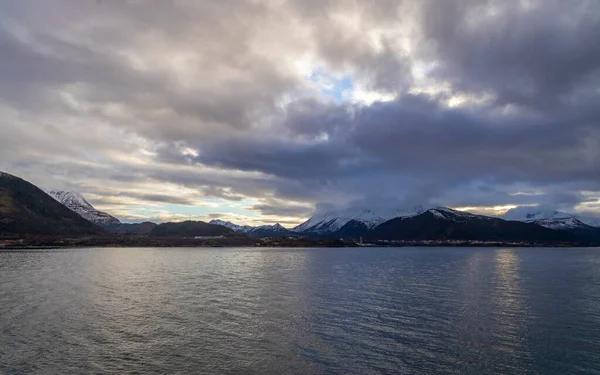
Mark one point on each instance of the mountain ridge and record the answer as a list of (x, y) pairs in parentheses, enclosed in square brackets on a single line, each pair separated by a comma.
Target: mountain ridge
[(439, 223), (443, 223), (331, 221), (549, 218), (26, 209), (188, 229), (263, 231)]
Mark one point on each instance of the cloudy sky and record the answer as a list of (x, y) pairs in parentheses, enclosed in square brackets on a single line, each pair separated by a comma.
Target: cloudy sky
[(262, 111)]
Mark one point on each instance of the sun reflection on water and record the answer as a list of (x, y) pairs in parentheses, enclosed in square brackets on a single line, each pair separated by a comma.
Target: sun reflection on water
[(510, 311)]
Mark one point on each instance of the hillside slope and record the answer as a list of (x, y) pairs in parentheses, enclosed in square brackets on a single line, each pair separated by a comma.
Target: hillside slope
[(26, 209), (189, 229), (135, 228)]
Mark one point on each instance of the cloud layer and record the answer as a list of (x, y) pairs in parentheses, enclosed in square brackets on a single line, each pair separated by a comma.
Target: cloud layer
[(263, 110)]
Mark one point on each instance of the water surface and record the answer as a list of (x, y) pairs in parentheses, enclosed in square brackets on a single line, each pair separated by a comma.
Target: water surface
[(300, 311)]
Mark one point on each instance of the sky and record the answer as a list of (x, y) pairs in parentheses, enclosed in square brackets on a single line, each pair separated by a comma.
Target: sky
[(264, 111)]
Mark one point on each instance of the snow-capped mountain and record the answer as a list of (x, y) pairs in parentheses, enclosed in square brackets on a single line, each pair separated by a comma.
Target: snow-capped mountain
[(550, 218), (533, 213), (571, 224), (77, 203), (443, 223), (275, 230), (277, 227), (559, 223), (232, 226), (329, 222)]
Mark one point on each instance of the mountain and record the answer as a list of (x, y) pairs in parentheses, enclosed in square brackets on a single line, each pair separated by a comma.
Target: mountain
[(263, 231), (232, 226), (546, 217), (434, 224), (352, 229), (591, 221), (333, 221), (137, 228), (26, 209), (446, 224), (565, 223), (530, 214), (271, 231), (582, 227), (189, 229), (77, 203), (571, 225)]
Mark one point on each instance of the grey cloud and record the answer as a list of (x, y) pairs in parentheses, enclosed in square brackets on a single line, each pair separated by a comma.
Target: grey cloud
[(282, 210), (155, 103), (537, 58), (278, 207), (216, 215), (162, 198)]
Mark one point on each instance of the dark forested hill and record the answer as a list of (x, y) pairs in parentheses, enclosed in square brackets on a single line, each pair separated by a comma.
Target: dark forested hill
[(189, 229)]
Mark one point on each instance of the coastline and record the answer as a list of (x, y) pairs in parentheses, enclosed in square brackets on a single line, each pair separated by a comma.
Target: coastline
[(132, 241)]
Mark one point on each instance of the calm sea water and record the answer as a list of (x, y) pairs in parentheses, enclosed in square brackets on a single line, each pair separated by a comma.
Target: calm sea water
[(301, 311)]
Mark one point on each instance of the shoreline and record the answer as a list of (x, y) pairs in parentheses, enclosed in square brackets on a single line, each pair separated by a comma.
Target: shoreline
[(4, 248)]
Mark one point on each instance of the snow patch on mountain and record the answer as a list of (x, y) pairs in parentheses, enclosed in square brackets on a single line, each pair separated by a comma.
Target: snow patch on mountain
[(77, 203)]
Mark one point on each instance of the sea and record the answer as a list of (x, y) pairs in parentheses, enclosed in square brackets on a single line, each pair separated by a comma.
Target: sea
[(410, 310)]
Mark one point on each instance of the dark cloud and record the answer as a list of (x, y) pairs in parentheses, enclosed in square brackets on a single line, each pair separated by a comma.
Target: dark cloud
[(414, 138)]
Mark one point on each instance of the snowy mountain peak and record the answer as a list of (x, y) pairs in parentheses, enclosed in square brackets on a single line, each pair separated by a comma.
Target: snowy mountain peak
[(329, 222), (263, 231), (561, 223), (77, 203), (274, 227), (220, 222), (550, 218), (533, 213), (232, 226)]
